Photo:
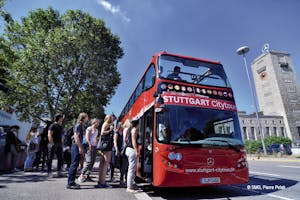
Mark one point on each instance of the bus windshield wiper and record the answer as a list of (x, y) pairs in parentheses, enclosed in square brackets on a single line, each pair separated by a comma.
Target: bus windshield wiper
[(230, 145)]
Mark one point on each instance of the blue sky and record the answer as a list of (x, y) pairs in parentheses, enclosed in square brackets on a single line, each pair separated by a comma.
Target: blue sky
[(209, 29)]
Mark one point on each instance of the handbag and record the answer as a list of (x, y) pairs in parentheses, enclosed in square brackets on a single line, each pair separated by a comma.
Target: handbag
[(123, 151), (32, 146), (106, 142)]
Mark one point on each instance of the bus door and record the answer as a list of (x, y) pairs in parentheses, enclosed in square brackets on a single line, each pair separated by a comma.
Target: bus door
[(145, 142)]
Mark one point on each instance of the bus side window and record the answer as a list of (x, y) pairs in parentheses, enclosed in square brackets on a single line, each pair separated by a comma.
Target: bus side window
[(150, 77)]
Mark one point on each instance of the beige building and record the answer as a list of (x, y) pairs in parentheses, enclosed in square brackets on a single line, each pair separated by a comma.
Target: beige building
[(278, 89), (271, 125)]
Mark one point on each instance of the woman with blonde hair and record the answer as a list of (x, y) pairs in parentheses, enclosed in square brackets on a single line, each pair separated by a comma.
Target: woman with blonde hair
[(106, 133), (32, 141), (90, 141)]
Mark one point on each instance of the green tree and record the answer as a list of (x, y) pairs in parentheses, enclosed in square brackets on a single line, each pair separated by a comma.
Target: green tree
[(3, 13), (252, 146), (61, 64), (277, 140)]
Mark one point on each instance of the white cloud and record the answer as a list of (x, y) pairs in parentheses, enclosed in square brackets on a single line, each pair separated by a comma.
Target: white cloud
[(115, 10)]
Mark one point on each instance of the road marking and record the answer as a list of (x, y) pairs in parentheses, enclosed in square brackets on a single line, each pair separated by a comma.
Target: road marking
[(142, 196), (261, 173), (279, 197), (289, 166)]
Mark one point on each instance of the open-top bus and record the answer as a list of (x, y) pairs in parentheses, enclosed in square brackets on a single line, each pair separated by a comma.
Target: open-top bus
[(189, 129)]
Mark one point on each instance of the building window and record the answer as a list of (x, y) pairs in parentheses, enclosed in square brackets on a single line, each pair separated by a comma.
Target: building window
[(268, 131), (244, 132), (275, 131), (252, 133), (298, 128), (282, 131)]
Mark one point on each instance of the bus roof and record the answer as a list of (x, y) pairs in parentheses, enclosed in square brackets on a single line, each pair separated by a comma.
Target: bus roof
[(188, 57)]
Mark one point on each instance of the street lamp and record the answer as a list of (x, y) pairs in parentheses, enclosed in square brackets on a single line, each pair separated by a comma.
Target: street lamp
[(242, 51)]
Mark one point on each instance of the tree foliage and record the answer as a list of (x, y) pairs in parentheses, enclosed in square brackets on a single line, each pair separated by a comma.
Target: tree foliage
[(61, 64), (252, 146)]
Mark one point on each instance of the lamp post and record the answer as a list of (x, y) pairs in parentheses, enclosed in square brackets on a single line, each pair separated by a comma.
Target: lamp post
[(242, 51)]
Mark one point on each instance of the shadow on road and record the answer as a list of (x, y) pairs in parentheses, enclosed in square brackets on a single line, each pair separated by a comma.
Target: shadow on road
[(257, 185), (21, 177)]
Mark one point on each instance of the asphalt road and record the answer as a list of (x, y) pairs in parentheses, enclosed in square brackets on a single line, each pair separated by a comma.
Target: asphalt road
[(269, 180)]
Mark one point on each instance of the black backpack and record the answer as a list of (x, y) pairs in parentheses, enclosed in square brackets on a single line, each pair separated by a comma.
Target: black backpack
[(69, 137)]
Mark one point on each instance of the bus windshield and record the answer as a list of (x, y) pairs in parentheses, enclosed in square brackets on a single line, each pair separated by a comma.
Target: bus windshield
[(191, 71), (191, 125)]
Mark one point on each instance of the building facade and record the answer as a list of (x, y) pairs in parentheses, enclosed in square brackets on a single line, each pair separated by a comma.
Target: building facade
[(278, 89), (272, 125)]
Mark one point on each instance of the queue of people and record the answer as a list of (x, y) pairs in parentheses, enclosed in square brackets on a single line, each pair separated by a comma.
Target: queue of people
[(117, 147)]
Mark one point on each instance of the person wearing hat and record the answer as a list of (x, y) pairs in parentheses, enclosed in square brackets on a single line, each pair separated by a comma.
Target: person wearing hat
[(12, 144)]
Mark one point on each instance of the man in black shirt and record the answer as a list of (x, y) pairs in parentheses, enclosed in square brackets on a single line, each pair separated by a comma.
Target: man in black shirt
[(55, 133)]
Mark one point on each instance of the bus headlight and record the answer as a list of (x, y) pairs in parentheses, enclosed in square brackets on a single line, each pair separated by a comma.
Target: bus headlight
[(172, 156), (178, 156)]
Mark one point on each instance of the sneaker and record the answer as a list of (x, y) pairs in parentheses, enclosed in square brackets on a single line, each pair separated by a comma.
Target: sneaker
[(73, 186), (132, 190), (107, 186), (50, 175), (14, 170), (99, 185), (60, 174), (81, 179), (28, 170), (88, 178), (122, 184)]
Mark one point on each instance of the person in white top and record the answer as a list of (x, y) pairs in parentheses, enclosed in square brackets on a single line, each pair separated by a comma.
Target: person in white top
[(90, 141)]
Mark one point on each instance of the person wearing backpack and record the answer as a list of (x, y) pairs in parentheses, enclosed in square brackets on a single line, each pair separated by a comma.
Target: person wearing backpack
[(77, 150), (67, 147)]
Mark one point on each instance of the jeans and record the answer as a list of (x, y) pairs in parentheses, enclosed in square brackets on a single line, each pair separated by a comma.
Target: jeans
[(90, 158), (29, 160), (131, 155), (14, 156), (75, 158), (55, 149)]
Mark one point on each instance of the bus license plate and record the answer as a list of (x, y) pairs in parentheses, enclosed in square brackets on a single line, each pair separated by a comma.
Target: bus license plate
[(210, 180)]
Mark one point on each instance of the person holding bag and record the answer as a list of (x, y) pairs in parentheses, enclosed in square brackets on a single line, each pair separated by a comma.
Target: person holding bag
[(105, 145), (91, 153), (33, 142)]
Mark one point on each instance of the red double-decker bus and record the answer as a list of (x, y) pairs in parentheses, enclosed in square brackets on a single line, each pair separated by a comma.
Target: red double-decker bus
[(189, 129)]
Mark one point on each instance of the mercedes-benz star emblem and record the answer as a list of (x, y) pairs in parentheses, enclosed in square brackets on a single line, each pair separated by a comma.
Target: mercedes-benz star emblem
[(210, 161)]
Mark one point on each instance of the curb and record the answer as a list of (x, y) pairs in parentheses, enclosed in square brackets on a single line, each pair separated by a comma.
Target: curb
[(273, 159)]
